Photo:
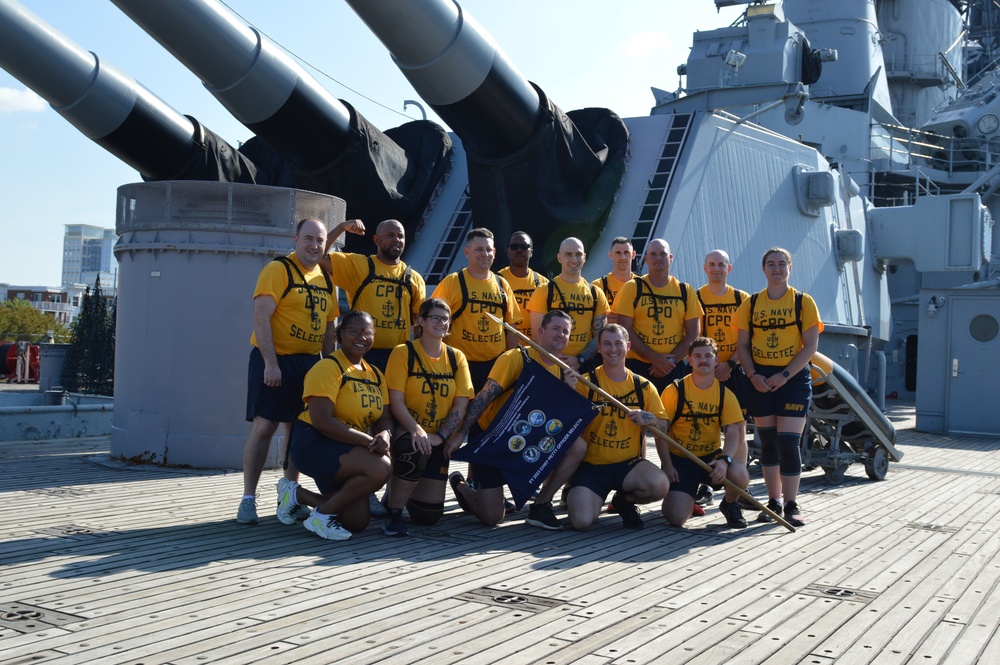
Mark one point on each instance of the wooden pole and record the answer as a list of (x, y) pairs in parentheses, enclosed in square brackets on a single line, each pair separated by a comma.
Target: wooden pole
[(655, 431)]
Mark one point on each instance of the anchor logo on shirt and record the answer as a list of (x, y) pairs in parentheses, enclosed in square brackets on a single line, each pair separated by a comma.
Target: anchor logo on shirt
[(720, 335), (611, 428), (658, 328), (772, 341), (388, 310), (484, 324)]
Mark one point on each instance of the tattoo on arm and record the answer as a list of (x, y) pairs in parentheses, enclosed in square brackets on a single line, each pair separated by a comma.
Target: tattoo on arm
[(478, 405), (450, 424), (599, 323)]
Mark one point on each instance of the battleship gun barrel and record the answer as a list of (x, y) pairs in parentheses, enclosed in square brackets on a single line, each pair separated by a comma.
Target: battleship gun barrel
[(457, 68), (106, 105), (257, 82)]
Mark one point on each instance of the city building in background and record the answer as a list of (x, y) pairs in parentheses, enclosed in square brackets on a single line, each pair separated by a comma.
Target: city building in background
[(88, 253)]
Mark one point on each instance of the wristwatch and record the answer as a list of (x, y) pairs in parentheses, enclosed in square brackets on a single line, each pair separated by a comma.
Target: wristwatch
[(726, 458), (785, 374), (581, 359), (731, 363)]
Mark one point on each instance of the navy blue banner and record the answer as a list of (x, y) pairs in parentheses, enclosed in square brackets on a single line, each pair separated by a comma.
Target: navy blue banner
[(533, 430)]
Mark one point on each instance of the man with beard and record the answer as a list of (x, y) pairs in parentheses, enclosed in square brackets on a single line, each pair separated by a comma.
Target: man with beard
[(486, 501), (294, 314), (381, 285)]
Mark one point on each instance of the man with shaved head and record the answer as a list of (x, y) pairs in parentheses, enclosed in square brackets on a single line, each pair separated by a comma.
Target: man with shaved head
[(390, 291), (662, 316), (584, 302), (720, 301), (380, 284)]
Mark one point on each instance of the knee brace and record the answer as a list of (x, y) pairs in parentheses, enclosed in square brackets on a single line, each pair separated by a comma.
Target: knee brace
[(768, 437), (423, 512), (791, 455), (407, 463)]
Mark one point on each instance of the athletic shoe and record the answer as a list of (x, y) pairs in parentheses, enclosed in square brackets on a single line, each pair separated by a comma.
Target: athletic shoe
[(376, 507), (326, 526), (454, 478), (704, 496), (395, 526), (541, 515), (697, 511), (302, 513), (774, 506), (288, 507), (247, 514), (733, 514), (628, 511), (793, 515)]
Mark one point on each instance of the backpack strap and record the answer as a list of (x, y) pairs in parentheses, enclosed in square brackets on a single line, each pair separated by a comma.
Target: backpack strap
[(640, 386)]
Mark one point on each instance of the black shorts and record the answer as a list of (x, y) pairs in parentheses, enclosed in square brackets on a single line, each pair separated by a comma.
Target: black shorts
[(486, 477), (378, 358), (690, 475), (641, 368), (317, 456), (601, 479), (282, 404), (480, 371), (738, 384), (791, 399), (437, 464)]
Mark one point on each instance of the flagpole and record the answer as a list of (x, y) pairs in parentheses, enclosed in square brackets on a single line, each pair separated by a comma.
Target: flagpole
[(655, 431)]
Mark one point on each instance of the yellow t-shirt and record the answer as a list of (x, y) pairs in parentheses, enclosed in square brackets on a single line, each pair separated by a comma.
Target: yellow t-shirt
[(429, 385), (359, 395), (775, 337), (659, 315), (478, 336), (505, 372), (698, 428), (300, 318), (386, 298), (523, 288), (611, 437), (614, 286), (582, 301), (717, 322)]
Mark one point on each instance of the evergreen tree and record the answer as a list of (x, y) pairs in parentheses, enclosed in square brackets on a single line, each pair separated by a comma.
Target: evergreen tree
[(90, 364)]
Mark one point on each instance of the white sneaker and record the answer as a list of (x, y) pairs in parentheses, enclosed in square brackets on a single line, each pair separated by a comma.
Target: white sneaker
[(287, 505), (326, 526), (376, 507)]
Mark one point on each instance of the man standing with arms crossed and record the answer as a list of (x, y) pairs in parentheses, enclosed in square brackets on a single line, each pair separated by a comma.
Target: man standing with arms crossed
[(622, 257), (522, 279), (583, 301), (472, 293), (662, 316), (294, 315)]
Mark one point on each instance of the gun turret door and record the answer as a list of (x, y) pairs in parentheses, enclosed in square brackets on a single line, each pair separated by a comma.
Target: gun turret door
[(974, 364)]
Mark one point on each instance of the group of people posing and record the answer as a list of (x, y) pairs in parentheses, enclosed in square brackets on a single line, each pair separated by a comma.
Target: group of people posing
[(388, 394)]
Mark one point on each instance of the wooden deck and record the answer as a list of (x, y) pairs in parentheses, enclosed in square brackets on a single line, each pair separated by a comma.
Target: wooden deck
[(114, 564)]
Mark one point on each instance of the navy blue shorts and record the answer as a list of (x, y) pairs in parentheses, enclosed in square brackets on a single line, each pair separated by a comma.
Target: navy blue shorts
[(791, 399), (282, 404), (690, 475), (641, 368), (378, 358), (601, 479), (486, 477), (317, 456), (437, 464), (480, 371)]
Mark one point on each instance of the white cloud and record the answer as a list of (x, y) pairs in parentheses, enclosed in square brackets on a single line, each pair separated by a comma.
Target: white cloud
[(15, 101), (644, 44)]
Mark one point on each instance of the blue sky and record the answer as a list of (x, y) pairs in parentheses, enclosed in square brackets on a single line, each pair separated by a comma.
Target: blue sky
[(581, 52)]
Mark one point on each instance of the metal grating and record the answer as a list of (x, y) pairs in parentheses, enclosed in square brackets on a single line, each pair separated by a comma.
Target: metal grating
[(839, 593), (25, 618)]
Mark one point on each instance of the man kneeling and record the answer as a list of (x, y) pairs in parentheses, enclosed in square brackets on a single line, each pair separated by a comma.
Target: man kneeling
[(700, 409), (616, 441)]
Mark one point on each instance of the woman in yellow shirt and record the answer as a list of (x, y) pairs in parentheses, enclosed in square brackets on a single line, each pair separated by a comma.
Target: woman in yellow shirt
[(342, 439), (429, 390)]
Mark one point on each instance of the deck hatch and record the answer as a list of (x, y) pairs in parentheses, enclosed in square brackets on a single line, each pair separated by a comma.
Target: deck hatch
[(506, 598), (25, 618), (839, 593)]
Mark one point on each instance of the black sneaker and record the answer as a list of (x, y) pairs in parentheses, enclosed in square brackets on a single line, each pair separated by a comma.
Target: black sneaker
[(628, 511), (733, 514), (793, 515), (704, 496), (775, 506), (454, 478), (541, 515)]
